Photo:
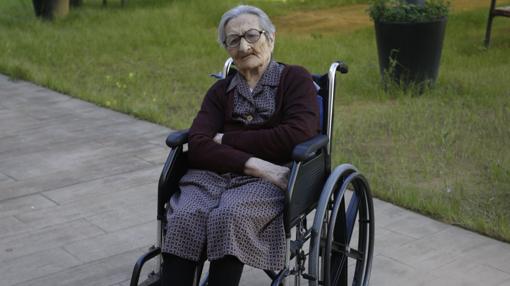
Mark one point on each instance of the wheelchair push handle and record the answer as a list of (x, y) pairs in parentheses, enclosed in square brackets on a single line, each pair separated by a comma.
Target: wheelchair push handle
[(340, 67)]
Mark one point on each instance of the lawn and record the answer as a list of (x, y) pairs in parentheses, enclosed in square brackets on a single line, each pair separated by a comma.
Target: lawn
[(444, 153)]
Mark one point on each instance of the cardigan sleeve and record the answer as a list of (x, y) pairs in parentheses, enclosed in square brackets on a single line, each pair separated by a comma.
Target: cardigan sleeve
[(300, 122), (204, 153)]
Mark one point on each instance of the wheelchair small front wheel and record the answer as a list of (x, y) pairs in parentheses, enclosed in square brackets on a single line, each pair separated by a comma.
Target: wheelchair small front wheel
[(342, 242)]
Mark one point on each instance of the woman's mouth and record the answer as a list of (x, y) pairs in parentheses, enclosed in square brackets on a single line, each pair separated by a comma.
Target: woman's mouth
[(246, 56)]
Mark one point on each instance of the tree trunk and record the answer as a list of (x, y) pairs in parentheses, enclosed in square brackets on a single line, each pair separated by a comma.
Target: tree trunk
[(60, 8)]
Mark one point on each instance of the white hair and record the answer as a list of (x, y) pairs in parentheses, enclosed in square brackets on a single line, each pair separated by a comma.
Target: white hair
[(264, 21)]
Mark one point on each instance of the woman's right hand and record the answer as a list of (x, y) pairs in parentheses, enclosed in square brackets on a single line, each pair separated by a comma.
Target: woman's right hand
[(276, 174)]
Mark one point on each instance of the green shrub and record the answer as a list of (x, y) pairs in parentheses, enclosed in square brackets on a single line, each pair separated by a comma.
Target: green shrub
[(401, 11)]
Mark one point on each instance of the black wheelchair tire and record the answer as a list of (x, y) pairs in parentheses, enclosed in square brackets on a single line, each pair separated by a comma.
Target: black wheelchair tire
[(330, 245)]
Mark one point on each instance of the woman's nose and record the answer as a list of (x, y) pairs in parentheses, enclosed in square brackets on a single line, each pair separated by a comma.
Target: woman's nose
[(244, 46)]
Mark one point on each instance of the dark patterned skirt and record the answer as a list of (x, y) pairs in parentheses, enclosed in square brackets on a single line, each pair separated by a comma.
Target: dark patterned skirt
[(227, 214)]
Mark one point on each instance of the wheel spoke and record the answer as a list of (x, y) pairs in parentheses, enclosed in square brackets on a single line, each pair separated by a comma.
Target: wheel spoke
[(354, 254), (352, 212), (338, 248), (347, 251), (337, 271)]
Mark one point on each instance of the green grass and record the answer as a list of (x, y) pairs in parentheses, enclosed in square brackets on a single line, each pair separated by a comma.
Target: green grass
[(444, 153)]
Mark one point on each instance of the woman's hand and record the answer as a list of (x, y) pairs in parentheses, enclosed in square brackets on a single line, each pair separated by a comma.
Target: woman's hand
[(276, 174), (218, 137)]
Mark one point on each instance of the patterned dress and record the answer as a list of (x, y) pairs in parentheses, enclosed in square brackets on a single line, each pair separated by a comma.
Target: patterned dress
[(232, 214)]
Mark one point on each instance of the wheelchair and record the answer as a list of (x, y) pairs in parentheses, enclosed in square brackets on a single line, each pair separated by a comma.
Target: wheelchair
[(339, 243)]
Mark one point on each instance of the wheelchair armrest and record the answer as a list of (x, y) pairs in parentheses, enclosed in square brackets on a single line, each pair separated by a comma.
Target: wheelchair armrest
[(137, 269), (177, 138), (307, 149)]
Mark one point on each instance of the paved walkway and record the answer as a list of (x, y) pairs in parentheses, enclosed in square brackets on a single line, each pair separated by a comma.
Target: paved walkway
[(78, 197)]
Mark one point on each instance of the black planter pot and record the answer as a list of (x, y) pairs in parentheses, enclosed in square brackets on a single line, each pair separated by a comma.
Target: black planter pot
[(39, 7), (49, 9), (75, 3), (410, 53)]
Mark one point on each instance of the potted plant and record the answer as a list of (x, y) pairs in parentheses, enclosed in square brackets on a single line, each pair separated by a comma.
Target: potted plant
[(49, 9), (409, 35)]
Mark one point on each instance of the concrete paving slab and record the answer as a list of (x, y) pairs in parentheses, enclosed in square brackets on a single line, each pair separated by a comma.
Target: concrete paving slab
[(387, 239), (387, 213), (5, 178), (57, 158), (138, 197), (40, 135), (491, 253), (156, 155), (37, 103), (10, 225), (109, 184), (253, 276), (106, 217), (126, 216), (47, 238), (414, 225), (91, 170), (35, 265), (24, 204), (108, 271), (25, 95), (17, 123), (78, 198), (426, 258), (388, 271), (114, 243), (440, 249), (469, 274), (456, 240)]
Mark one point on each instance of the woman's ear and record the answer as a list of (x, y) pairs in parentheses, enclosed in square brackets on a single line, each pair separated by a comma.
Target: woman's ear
[(271, 40)]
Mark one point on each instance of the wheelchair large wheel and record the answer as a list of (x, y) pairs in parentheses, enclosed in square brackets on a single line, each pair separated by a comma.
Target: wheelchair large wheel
[(342, 242)]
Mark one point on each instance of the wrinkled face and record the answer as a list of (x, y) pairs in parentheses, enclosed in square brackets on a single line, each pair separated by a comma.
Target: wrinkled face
[(248, 56)]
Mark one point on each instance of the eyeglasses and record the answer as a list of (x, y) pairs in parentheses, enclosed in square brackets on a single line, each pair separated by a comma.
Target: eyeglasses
[(251, 36)]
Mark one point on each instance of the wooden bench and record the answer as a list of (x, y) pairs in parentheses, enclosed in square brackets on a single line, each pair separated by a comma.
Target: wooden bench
[(493, 12)]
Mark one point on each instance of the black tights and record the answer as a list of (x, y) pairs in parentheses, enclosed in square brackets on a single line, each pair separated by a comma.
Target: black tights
[(177, 271)]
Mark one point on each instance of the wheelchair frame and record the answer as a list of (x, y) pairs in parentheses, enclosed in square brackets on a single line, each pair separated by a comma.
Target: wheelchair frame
[(312, 187)]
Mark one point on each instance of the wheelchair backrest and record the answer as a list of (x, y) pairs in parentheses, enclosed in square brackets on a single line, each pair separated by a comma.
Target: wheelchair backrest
[(321, 84), (325, 91)]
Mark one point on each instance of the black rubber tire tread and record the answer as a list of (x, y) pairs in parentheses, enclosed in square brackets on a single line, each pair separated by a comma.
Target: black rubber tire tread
[(323, 233)]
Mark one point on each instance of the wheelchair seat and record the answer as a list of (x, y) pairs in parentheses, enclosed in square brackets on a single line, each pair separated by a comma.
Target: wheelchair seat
[(338, 244)]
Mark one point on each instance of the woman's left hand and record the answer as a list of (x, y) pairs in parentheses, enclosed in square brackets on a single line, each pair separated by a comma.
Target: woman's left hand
[(276, 174), (218, 137)]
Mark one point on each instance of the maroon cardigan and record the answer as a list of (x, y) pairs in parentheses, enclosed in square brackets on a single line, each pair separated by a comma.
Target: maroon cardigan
[(296, 119)]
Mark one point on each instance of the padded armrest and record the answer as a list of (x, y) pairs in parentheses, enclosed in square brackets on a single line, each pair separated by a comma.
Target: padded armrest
[(307, 149), (177, 138)]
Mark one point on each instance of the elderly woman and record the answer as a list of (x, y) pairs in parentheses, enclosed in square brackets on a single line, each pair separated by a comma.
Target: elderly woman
[(230, 205)]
